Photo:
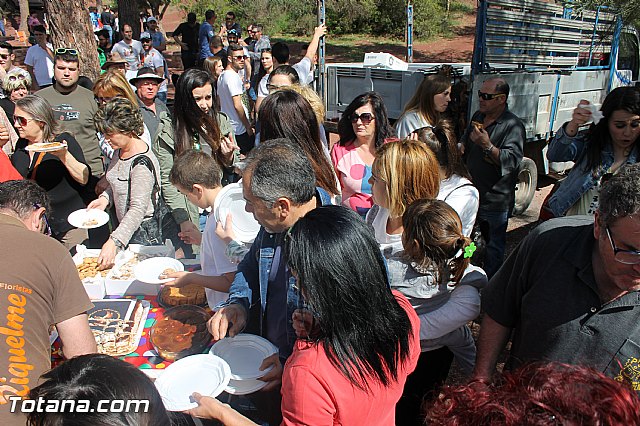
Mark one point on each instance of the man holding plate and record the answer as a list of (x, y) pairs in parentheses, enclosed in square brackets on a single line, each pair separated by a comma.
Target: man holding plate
[(263, 295)]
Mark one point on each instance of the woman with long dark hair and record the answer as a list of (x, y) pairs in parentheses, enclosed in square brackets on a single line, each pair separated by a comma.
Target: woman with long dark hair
[(358, 340), (199, 125), (286, 114), (363, 128), (601, 151)]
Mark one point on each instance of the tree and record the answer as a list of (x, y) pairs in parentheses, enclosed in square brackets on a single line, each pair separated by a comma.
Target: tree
[(24, 14), (70, 26), (129, 13)]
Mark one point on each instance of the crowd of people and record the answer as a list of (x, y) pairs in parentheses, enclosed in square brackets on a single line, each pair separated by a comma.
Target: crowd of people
[(364, 273)]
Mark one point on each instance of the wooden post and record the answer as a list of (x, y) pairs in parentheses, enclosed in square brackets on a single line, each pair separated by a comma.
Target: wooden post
[(70, 26)]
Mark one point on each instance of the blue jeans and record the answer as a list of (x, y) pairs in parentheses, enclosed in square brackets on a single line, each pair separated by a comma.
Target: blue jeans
[(494, 255)]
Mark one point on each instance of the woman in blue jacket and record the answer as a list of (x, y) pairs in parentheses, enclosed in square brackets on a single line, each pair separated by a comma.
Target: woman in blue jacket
[(607, 145)]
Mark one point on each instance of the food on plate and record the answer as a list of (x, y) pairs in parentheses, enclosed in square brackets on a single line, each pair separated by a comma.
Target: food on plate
[(173, 335), (90, 222), (89, 268), (182, 331), (187, 295), (44, 145), (115, 335), (477, 125), (165, 274)]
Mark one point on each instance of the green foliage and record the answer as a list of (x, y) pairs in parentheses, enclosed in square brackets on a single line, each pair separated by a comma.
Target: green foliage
[(377, 17)]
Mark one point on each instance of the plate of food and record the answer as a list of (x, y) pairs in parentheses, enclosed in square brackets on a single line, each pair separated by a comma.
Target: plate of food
[(45, 146), (230, 200), (181, 332), (156, 269), (88, 218)]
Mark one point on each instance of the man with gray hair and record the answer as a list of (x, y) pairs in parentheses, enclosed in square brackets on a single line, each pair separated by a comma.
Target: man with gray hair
[(262, 297), (39, 288), (571, 291)]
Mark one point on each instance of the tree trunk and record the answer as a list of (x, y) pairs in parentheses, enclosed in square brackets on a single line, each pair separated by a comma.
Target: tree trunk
[(70, 26), (128, 14), (24, 14)]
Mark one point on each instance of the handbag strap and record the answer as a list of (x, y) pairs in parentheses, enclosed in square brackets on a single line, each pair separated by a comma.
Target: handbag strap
[(146, 161), (454, 189), (32, 175)]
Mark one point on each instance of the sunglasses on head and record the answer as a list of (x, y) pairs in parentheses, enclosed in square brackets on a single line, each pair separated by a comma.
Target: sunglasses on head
[(16, 76), (65, 50), (365, 117), (266, 49), (489, 96)]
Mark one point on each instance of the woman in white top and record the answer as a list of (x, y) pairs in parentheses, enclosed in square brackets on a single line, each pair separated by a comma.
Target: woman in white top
[(456, 188), (425, 107), (403, 172)]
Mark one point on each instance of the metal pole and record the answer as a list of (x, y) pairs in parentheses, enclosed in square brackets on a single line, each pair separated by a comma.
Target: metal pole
[(409, 31), (321, 52)]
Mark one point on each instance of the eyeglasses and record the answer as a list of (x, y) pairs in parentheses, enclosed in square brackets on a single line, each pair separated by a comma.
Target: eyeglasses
[(22, 121), (103, 99), (4, 56), (365, 117), (228, 19), (65, 50), (489, 96), (15, 77), (272, 87), (46, 229), (628, 257)]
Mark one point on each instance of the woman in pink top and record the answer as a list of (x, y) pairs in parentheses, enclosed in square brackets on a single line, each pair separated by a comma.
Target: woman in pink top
[(363, 128), (358, 341)]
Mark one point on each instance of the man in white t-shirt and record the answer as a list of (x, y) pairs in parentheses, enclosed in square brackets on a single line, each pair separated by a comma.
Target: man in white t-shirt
[(233, 99), (280, 55), (153, 59), (39, 60), (128, 48)]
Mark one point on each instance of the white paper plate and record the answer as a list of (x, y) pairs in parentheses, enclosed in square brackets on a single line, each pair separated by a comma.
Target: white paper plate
[(79, 218), (148, 270), (44, 147), (230, 200), (244, 387), (244, 354), (204, 373)]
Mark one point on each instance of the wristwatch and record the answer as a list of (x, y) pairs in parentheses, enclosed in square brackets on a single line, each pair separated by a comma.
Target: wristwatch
[(118, 243), (487, 151)]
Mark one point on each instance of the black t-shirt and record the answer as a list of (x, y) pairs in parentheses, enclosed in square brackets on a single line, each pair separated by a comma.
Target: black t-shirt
[(64, 192), (189, 35), (9, 107), (107, 19)]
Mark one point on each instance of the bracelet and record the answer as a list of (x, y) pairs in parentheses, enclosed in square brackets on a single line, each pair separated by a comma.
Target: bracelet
[(118, 243), (487, 151)]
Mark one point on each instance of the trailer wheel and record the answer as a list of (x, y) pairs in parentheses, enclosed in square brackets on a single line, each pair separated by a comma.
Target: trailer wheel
[(526, 186)]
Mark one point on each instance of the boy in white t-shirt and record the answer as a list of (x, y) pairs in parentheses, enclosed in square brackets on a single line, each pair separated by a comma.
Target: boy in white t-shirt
[(197, 176)]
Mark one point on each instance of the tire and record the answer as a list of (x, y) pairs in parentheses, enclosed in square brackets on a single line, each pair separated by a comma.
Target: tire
[(526, 186)]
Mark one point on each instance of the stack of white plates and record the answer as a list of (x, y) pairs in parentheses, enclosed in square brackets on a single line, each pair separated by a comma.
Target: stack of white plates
[(244, 353), (230, 200), (205, 373)]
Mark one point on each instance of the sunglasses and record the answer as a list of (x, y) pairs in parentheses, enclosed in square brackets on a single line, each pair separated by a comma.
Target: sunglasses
[(266, 49), (239, 58), (46, 229), (65, 50), (22, 121), (4, 56), (103, 99), (16, 76), (365, 117), (489, 96)]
